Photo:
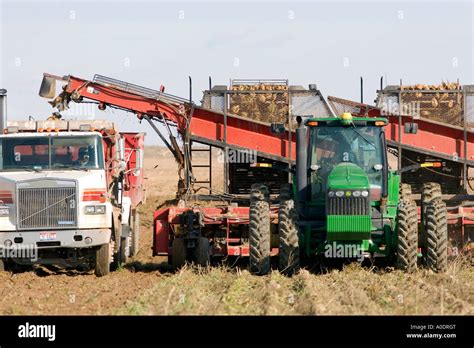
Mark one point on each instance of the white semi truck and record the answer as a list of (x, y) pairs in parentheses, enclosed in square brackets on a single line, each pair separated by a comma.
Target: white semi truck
[(69, 192)]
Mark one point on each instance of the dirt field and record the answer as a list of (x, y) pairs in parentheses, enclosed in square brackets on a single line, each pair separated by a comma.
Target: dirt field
[(146, 284)]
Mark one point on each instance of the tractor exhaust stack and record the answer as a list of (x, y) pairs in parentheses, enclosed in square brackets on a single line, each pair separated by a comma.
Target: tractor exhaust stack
[(301, 158)]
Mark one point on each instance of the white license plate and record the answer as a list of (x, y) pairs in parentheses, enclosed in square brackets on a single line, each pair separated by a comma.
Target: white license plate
[(47, 235)]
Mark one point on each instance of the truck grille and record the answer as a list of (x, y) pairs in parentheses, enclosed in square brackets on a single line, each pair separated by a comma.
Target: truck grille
[(348, 206), (52, 207)]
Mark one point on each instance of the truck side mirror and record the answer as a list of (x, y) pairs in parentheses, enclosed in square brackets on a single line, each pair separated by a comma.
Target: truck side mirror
[(121, 149), (411, 128), (277, 128), (139, 162)]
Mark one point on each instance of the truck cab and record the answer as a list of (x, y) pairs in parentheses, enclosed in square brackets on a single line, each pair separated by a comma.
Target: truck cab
[(63, 194)]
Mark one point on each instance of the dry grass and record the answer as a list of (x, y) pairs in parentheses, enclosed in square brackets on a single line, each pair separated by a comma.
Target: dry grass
[(354, 290)]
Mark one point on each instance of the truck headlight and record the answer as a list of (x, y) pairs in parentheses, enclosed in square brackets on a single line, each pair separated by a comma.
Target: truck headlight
[(94, 209), (4, 211), (365, 193), (356, 193), (100, 209), (331, 193), (339, 193)]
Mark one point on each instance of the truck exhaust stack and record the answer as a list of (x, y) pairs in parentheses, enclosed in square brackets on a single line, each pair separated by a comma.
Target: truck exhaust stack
[(3, 109)]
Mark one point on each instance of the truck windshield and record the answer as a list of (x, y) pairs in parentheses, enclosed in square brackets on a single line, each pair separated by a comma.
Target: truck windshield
[(333, 145), (51, 152)]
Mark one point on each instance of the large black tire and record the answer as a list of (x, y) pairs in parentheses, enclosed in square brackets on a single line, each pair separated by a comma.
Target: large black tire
[(286, 192), (102, 260), (405, 191), (288, 252), (436, 236), (202, 257), (259, 230), (407, 236), (135, 237), (431, 191), (178, 258)]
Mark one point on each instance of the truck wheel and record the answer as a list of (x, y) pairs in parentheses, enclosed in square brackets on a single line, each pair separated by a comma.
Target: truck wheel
[(407, 236), (125, 247), (436, 236), (6, 265), (117, 258), (405, 191), (102, 260), (259, 230), (430, 192), (288, 253), (202, 252), (178, 257), (135, 235)]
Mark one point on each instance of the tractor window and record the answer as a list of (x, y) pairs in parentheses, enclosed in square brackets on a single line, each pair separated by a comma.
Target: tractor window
[(333, 145)]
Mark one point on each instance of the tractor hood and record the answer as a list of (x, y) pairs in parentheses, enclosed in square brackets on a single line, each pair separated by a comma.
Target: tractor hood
[(348, 176)]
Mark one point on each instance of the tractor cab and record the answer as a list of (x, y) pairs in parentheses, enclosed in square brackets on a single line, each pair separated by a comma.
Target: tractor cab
[(342, 175), (346, 157)]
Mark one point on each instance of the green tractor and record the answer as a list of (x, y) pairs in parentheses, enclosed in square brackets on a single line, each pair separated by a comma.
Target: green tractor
[(346, 202)]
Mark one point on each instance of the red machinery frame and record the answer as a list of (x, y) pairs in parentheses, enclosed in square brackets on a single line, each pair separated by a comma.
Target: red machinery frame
[(166, 220)]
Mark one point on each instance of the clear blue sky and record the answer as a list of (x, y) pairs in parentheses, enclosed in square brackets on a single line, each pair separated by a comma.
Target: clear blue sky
[(155, 42)]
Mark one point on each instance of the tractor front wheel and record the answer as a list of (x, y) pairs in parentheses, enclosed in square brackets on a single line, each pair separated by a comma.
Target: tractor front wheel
[(259, 230), (436, 236), (407, 236)]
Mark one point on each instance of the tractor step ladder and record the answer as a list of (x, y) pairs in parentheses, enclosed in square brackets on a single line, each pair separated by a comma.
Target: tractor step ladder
[(207, 165)]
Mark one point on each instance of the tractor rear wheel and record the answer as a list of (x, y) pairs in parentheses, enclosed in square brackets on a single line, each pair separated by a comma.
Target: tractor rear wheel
[(436, 236), (102, 260), (288, 253), (407, 236), (178, 257), (259, 230), (431, 191), (202, 252)]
